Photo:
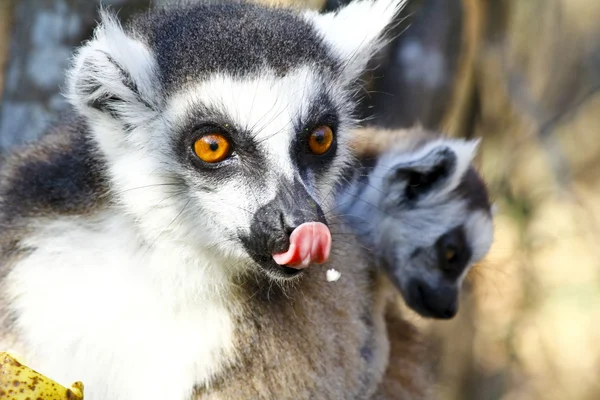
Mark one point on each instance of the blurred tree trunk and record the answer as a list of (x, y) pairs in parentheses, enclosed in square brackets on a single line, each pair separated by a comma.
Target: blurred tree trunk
[(43, 35), (5, 27), (412, 79)]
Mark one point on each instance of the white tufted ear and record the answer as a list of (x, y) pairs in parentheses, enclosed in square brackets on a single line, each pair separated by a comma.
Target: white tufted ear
[(355, 32), (465, 151), (114, 76)]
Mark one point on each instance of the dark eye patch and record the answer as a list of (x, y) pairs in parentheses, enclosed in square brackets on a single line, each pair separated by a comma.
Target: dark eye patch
[(321, 113), (245, 157), (304, 157)]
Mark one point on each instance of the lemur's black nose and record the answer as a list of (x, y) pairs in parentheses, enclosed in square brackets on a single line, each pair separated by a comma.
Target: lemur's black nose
[(439, 301), (453, 252), (274, 222)]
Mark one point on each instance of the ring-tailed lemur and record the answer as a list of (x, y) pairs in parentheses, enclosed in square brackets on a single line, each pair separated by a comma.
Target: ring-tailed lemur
[(142, 240), (419, 206)]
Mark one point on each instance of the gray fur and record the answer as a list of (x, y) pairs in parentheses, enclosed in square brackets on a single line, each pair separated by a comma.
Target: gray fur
[(61, 174), (234, 37), (407, 232)]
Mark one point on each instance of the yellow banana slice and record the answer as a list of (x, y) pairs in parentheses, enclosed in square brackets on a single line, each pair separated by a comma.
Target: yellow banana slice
[(18, 382)]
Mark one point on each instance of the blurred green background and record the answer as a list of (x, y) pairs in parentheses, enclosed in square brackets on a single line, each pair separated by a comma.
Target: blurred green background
[(522, 74)]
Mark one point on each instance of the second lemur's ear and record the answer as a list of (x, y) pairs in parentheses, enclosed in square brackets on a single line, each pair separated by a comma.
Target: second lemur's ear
[(114, 76), (432, 171), (356, 32)]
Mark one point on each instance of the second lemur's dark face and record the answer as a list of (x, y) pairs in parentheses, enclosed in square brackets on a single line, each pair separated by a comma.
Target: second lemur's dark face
[(225, 125)]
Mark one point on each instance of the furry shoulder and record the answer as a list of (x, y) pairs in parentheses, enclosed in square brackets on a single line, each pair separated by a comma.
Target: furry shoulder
[(60, 174)]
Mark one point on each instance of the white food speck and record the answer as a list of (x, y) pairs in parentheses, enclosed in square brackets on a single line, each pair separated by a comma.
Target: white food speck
[(333, 275)]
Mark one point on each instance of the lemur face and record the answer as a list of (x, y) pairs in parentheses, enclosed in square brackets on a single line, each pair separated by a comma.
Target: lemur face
[(284, 140), (224, 125), (427, 217)]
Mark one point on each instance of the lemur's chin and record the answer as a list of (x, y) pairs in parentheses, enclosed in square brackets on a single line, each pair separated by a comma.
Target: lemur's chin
[(290, 272), (437, 301), (276, 271), (281, 272)]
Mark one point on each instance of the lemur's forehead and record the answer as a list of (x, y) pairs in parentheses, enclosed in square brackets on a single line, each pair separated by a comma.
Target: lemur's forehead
[(239, 39), (256, 104)]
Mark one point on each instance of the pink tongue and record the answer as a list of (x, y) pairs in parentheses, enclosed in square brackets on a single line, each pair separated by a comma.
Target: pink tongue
[(310, 242)]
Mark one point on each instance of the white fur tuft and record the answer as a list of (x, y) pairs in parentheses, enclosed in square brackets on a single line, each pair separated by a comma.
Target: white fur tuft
[(132, 323), (110, 65), (465, 151), (355, 32)]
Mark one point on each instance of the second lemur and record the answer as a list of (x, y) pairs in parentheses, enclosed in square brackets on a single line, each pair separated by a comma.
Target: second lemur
[(422, 211)]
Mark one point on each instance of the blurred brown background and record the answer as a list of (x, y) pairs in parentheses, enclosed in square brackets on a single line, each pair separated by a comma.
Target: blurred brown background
[(522, 74)]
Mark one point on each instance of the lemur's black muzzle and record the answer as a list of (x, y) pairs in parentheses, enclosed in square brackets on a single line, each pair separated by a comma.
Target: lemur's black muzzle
[(434, 293), (274, 222), (437, 301)]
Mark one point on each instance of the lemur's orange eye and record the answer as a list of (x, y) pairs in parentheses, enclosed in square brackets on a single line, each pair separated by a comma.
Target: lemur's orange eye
[(212, 148), (320, 140), (451, 254)]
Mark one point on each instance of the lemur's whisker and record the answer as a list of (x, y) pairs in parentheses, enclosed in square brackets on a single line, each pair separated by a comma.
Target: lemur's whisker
[(149, 187), (153, 243)]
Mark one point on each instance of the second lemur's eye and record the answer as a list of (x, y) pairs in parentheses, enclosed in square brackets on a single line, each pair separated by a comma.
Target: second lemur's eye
[(212, 148), (320, 140)]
